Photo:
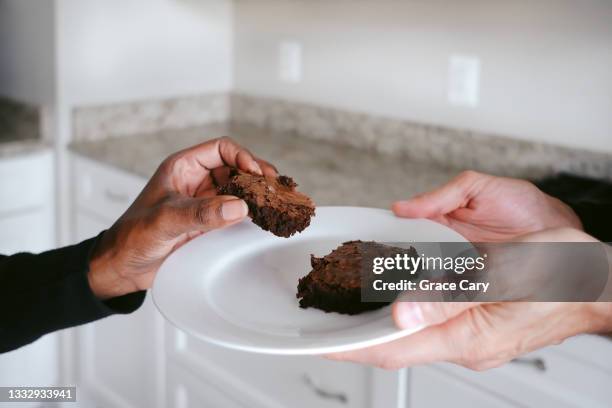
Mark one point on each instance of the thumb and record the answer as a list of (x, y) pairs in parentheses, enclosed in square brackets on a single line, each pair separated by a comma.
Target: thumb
[(201, 214), (443, 200), (411, 315)]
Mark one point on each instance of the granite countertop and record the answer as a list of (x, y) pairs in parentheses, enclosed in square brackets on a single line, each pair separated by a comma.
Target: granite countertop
[(330, 174), (12, 147), (20, 129)]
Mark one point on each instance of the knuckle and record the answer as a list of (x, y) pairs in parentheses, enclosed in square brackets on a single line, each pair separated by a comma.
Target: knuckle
[(496, 363), (207, 214), (476, 366), (446, 310), (203, 214), (484, 365), (173, 158), (468, 363), (480, 357), (474, 358), (466, 180), (434, 312), (467, 357), (170, 162), (469, 175), (474, 336), (225, 139)]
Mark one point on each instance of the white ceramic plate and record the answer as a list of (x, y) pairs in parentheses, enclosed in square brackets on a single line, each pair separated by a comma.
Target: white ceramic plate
[(236, 287)]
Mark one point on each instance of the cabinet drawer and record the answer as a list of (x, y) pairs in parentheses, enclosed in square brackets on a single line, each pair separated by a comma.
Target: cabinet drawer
[(427, 382), (558, 380), (102, 190), (185, 390), (26, 182), (274, 381)]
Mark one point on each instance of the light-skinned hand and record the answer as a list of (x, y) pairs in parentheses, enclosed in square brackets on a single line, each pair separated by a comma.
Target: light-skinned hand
[(486, 208), (485, 335)]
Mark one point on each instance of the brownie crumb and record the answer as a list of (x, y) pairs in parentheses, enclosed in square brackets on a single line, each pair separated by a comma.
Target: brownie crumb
[(287, 181)]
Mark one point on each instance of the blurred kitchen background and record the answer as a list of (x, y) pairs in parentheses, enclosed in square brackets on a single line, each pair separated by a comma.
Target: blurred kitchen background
[(362, 101)]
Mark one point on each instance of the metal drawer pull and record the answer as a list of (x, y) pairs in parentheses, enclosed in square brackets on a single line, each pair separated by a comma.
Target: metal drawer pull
[(323, 393), (536, 363), (116, 197)]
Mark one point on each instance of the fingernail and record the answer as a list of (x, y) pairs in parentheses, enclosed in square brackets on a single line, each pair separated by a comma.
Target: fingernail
[(409, 315), (234, 210), (398, 207), (256, 168)]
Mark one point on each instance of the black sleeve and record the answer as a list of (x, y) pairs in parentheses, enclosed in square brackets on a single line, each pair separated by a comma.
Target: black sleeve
[(590, 198), (596, 217), (42, 293)]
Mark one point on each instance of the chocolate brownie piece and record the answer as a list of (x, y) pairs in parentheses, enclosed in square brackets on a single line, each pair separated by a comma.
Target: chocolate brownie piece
[(334, 284), (274, 204)]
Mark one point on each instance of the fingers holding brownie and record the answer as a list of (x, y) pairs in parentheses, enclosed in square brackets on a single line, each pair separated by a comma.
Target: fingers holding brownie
[(180, 202)]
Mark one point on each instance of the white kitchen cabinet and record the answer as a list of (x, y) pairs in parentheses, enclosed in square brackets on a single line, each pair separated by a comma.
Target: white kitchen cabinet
[(26, 182), (103, 192), (27, 203), (117, 357), (431, 387), (27, 231), (87, 226), (274, 381), (574, 374), (186, 390), (27, 225), (119, 361)]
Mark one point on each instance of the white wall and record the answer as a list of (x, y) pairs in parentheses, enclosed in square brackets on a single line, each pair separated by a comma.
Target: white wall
[(546, 64), (112, 51), (123, 50), (26, 50)]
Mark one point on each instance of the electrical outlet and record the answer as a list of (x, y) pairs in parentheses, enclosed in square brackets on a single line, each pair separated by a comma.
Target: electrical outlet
[(290, 62), (464, 80)]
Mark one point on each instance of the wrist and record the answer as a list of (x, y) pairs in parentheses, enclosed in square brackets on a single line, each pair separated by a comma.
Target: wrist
[(104, 279), (598, 316)]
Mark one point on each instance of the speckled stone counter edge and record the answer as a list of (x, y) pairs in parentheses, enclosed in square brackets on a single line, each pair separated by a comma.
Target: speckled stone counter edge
[(132, 118), (20, 148), (19, 121), (418, 142)]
